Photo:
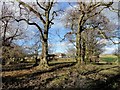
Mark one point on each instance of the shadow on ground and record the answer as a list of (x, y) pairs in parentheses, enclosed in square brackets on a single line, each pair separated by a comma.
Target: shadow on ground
[(73, 80), (20, 66)]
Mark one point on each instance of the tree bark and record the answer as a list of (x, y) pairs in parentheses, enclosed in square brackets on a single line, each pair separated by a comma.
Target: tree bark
[(78, 45), (44, 61), (83, 50), (79, 37)]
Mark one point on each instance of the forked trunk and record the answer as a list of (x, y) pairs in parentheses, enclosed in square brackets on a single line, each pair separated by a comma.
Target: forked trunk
[(78, 46), (78, 39)]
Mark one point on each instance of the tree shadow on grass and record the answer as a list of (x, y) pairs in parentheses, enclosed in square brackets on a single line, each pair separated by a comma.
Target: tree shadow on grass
[(21, 66), (10, 81), (111, 83), (98, 70), (15, 78), (39, 85)]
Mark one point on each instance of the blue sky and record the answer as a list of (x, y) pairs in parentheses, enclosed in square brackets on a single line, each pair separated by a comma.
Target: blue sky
[(61, 46), (58, 28)]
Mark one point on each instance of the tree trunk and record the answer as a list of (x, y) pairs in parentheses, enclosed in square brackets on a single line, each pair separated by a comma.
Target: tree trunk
[(78, 45), (78, 39), (83, 50), (44, 61)]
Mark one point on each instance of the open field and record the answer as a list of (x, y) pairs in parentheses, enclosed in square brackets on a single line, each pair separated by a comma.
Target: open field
[(103, 58), (59, 44), (62, 60), (108, 58), (85, 77), (63, 73)]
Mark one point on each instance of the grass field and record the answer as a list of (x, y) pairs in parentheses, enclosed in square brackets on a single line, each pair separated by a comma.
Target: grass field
[(108, 58), (103, 58), (62, 60), (88, 77), (62, 73)]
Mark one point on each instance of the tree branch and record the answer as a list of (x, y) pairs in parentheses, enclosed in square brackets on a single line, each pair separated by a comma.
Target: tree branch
[(40, 5), (32, 23), (33, 10)]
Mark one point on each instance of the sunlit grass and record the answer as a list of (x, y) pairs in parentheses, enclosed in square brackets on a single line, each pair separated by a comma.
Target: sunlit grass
[(62, 61), (109, 58)]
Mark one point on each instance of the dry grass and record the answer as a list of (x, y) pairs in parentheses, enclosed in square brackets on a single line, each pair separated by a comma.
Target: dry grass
[(109, 55), (83, 76), (18, 72), (62, 60)]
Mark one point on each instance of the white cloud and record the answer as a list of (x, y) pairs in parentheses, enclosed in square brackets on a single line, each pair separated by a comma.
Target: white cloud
[(62, 44), (103, 41), (110, 50)]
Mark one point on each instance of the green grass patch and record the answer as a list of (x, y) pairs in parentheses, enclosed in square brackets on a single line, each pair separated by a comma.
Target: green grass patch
[(109, 58)]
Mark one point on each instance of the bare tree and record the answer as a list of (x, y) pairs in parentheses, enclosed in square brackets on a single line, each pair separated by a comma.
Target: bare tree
[(92, 44), (71, 52), (84, 17), (42, 12), (9, 31)]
